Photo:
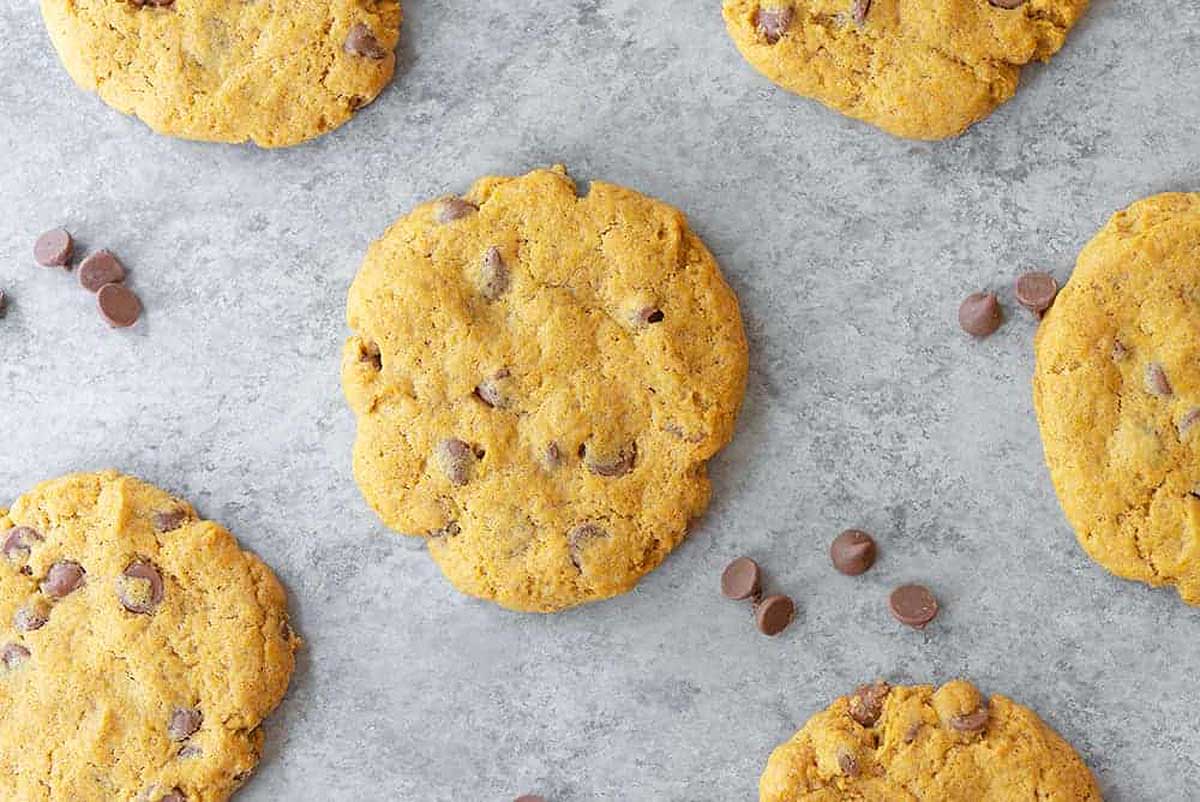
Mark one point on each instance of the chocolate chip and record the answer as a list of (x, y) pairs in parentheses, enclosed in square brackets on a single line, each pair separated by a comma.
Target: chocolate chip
[(1119, 351), (174, 796), (53, 249), (648, 315), (118, 305), (773, 614), (152, 3), (140, 587), (530, 798), (611, 467), (100, 268), (456, 460), (13, 655), (361, 41), (1156, 381), (553, 456), (772, 23), (859, 11), (169, 520), (489, 390), (19, 543), (1188, 421), (979, 315), (1008, 4), (741, 579), (971, 722), (913, 605), (184, 723), (494, 275), (369, 353), (451, 209), (1036, 291), (848, 763), (32, 616), (912, 732), (866, 705), (63, 579), (580, 537), (852, 552), (3, 304), (449, 530), (189, 751)]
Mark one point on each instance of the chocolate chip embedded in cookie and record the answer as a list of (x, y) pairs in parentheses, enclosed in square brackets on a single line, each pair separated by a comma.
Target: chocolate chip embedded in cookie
[(558, 370)]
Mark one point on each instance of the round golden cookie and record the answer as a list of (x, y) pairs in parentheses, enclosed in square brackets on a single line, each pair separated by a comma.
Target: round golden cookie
[(276, 72), (1117, 393), (140, 648), (906, 744), (920, 69), (539, 380)]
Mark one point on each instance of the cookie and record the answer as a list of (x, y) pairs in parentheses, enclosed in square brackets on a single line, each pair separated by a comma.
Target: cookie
[(539, 379), (275, 72), (1118, 396), (140, 648), (903, 744), (920, 69)]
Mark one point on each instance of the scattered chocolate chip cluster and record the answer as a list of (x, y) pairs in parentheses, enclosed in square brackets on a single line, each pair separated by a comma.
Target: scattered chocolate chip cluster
[(742, 581), (980, 313), (100, 272)]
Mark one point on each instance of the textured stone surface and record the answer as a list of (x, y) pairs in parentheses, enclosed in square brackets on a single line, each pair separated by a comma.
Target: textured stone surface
[(867, 406)]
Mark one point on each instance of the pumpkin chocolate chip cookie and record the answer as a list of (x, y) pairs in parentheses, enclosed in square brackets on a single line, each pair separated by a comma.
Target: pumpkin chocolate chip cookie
[(903, 744), (539, 380), (140, 648), (275, 72), (920, 69), (1118, 394)]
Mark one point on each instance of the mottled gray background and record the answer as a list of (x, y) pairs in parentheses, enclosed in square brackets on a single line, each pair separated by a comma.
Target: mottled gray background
[(866, 406)]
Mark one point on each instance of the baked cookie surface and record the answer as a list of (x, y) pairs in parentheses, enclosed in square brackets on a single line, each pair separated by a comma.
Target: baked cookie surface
[(905, 744), (920, 69), (1117, 393), (539, 380), (275, 72), (140, 648)]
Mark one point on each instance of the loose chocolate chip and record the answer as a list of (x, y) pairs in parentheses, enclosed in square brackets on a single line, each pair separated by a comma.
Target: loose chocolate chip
[(100, 268), (866, 705), (184, 723), (361, 41), (63, 579), (140, 587), (611, 467), (971, 722), (13, 655), (489, 390), (859, 11), (772, 23), (19, 543), (741, 579), (773, 614), (53, 249), (3, 304), (456, 460), (119, 305), (1036, 291), (1119, 351), (451, 209), (979, 315), (530, 798), (1008, 4), (852, 552), (1156, 381), (169, 520), (494, 275), (848, 763), (913, 605), (580, 537), (32, 616)]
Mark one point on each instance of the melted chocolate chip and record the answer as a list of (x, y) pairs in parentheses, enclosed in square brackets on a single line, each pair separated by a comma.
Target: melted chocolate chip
[(1156, 381), (370, 354), (1190, 419), (32, 616), (1119, 351), (553, 456), (361, 41), (614, 466), (848, 763), (184, 723), (170, 520), (494, 275), (18, 543), (13, 655), (63, 578), (772, 23), (489, 390), (971, 722), (859, 11), (456, 460), (451, 209), (1008, 5), (140, 587), (581, 537), (866, 705)]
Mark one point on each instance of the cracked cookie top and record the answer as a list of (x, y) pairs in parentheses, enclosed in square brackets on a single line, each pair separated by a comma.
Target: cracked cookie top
[(275, 72), (921, 69), (1118, 394), (140, 648), (539, 380), (904, 744)]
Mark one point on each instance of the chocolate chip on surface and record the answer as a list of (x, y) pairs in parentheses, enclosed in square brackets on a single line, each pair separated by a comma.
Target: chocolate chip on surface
[(494, 275), (859, 11), (184, 723), (611, 465), (866, 705), (451, 209), (18, 543), (54, 248), (774, 613), (119, 305), (361, 41), (13, 655), (32, 616), (3, 304), (456, 460), (853, 552), (772, 23), (1156, 381), (971, 722), (1008, 4), (913, 605), (979, 315), (580, 537), (169, 520), (1036, 291), (100, 268), (741, 579), (140, 587), (530, 798), (63, 578)]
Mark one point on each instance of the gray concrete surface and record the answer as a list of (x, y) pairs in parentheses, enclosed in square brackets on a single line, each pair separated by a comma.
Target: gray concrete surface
[(866, 406)]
